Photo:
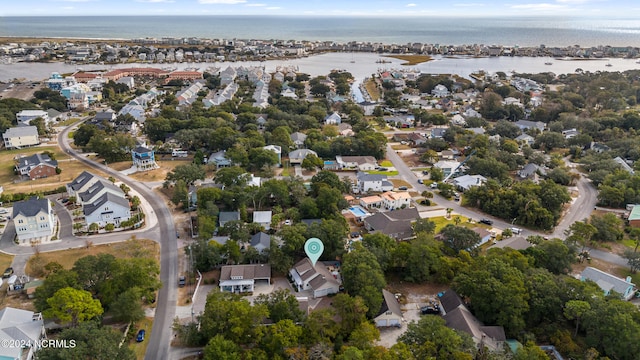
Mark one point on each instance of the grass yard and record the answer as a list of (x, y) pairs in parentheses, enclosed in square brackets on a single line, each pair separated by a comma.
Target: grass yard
[(71, 168), (399, 182), (400, 147), (139, 348), (388, 173), (386, 163), (442, 221), (5, 261), (66, 258), (372, 89)]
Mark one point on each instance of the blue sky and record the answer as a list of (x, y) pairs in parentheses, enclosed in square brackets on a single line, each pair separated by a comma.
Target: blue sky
[(577, 8)]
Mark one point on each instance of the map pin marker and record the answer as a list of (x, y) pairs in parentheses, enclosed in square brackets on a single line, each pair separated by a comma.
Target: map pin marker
[(314, 248)]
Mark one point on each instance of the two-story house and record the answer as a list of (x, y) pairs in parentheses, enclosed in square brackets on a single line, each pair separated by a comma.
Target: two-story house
[(34, 220), (21, 136), (36, 166), (373, 182)]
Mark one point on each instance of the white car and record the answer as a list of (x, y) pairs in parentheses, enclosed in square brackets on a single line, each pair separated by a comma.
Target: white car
[(516, 231)]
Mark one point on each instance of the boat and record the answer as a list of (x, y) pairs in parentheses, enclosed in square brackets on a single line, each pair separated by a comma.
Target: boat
[(548, 63), (608, 65)]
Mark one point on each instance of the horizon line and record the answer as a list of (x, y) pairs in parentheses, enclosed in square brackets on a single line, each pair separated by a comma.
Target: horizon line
[(340, 15)]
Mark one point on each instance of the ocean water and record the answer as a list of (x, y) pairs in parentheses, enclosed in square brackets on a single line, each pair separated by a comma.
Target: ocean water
[(509, 31)]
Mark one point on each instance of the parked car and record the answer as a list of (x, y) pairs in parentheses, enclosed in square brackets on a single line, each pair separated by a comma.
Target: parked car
[(182, 281), (434, 185), (420, 181), (3, 211), (516, 231), (140, 335), (430, 310), (486, 222), (402, 188), (7, 273)]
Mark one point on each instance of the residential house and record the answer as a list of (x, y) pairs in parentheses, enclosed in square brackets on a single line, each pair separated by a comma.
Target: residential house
[(466, 182), (485, 235), (395, 200), (143, 158), (81, 183), (24, 327), (362, 163), (634, 216), (135, 110), (220, 160), (36, 166), (515, 243), (438, 133), (106, 115), (402, 121), (34, 220), (610, 283), (372, 182), (297, 156), (55, 115), (525, 139), (624, 165), (458, 317), (263, 218), (417, 139), (242, 278), (390, 313), (228, 75), (597, 147), (369, 202), (526, 124), (276, 149), (261, 120), (448, 167), (477, 130), (333, 119), (226, 216), (458, 120), (24, 117), (288, 92), (570, 133), (96, 190), (345, 129), (368, 107), (530, 171), (21, 136), (298, 139), (260, 241), (319, 279), (396, 224), (440, 91), (107, 209), (447, 155)]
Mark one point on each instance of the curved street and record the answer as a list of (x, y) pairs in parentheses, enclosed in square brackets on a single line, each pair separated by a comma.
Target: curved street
[(580, 208), (160, 228)]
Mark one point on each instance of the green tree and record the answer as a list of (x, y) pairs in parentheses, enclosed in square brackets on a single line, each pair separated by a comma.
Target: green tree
[(552, 255), (530, 352), (92, 341), (55, 281), (128, 306), (362, 276), (73, 306), (424, 225), (232, 176), (459, 238), (430, 338), (575, 310), (382, 247), (219, 348), (282, 305), (188, 173)]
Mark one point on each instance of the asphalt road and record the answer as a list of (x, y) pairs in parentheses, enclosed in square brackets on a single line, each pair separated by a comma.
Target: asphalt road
[(579, 210), (163, 233)]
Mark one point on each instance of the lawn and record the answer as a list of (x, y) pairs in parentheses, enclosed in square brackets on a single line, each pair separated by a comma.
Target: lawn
[(386, 163), (71, 168), (5, 261), (442, 221), (400, 147), (388, 173), (372, 89), (399, 182), (411, 59), (139, 348), (67, 258)]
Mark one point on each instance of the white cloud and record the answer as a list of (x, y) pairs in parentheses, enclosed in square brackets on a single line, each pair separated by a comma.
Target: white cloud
[(273, 8), (256, 5), (156, 1), (68, 8), (232, 2), (539, 7), (574, 1), (468, 4), (411, 5), (76, 0)]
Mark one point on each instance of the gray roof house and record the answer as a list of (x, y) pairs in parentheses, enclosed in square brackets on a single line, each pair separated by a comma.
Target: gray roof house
[(396, 224), (98, 189), (263, 218), (390, 313), (319, 278), (260, 241), (226, 216), (458, 317), (107, 209), (526, 124), (466, 182), (20, 326), (27, 164), (530, 170), (81, 183), (297, 156), (21, 136), (298, 139), (33, 219), (373, 182), (219, 159), (609, 283)]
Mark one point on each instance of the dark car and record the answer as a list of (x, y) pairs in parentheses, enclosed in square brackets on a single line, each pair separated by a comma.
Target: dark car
[(486, 222), (140, 336), (7, 273), (430, 310), (182, 281)]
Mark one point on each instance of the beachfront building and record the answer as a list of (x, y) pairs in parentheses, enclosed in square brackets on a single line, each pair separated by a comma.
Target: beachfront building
[(143, 158)]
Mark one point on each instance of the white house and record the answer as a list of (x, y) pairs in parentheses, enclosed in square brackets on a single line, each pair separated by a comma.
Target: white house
[(242, 278), (373, 182), (276, 149), (297, 156), (362, 163), (333, 119), (34, 220), (96, 190), (263, 218), (19, 326), (81, 183), (21, 136), (390, 313), (395, 200), (440, 91), (466, 182), (447, 166), (321, 280), (24, 117), (107, 209)]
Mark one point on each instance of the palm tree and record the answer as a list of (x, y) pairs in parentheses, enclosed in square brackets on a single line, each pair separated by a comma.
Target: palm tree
[(449, 211)]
